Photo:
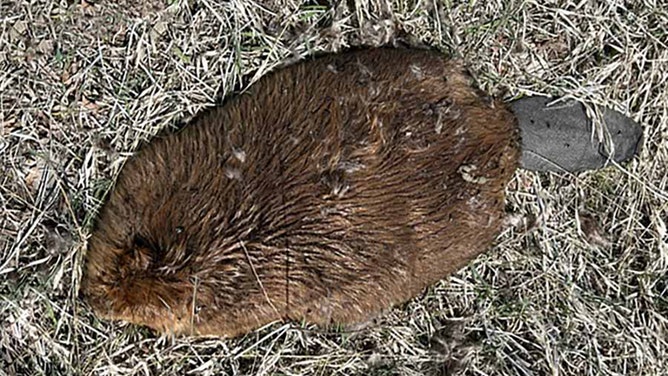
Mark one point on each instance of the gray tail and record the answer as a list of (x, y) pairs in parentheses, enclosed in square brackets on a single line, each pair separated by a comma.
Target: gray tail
[(559, 137)]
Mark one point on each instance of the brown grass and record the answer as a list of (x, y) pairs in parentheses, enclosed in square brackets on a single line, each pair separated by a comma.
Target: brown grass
[(583, 292)]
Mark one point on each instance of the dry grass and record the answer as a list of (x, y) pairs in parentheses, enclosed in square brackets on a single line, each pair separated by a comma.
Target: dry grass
[(583, 292)]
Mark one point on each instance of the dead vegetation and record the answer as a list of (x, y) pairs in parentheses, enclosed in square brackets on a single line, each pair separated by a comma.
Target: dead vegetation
[(579, 289)]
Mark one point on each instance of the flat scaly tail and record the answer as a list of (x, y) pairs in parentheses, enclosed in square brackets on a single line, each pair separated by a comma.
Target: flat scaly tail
[(559, 137)]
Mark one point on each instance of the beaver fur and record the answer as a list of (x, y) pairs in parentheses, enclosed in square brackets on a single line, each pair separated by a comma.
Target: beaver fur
[(331, 190)]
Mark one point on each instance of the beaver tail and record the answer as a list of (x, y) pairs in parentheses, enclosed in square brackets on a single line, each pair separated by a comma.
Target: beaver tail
[(560, 137)]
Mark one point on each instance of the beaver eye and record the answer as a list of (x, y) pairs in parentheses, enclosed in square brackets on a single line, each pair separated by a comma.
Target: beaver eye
[(140, 242), (143, 250)]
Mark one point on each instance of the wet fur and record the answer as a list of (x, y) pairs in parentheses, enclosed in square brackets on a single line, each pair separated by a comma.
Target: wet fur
[(332, 189)]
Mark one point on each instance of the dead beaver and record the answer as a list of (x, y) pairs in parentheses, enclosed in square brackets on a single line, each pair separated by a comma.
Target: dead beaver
[(332, 189)]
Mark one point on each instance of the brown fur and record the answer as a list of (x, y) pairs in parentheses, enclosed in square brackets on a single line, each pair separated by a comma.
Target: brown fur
[(333, 189)]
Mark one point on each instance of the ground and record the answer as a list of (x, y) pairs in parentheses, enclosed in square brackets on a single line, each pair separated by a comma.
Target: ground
[(578, 286)]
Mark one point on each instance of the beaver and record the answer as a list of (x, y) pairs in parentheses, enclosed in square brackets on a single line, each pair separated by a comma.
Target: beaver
[(331, 190)]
